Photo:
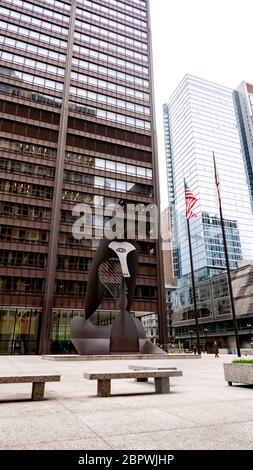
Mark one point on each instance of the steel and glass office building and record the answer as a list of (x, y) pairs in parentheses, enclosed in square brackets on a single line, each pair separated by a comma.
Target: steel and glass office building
[(215, 319), (200, 119), (243, 99), (76, 126)]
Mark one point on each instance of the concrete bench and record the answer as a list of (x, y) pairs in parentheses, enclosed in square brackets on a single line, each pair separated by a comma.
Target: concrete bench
[(162, 379), (145, 379), (38, 382)]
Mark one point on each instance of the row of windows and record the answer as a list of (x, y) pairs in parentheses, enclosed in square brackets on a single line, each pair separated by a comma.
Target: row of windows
[(31, 190), (64, 263), (67, 240), (92, 145), (70, 287), (25, 284), (27, 94), (108, 115), (59, 4), (45, 192), (109, 11), (79, 288), (112, 24), (62, 287), (33, 34), (99, 98), (33, 21), (125, 6), (32, 79), (106, 70), (100, 113), (37, 213), (232, 246), (70, 157), (215, 242), (37, 9), (105, 183), (103, 114), (76, 197), (222, 263), (14, 166), (18, 258), (31, 63), (41, 237), (23, 147), (216, 221), (92, 41), (108, 165), (110, 34), (215, 238), (24, 211), (33, 113), (109, 59), (31, 49), (23, 235), (73, 263), (220, 255), (108, 85)]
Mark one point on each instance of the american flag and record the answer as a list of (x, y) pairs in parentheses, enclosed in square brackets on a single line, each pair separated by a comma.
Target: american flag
[(190, 201)]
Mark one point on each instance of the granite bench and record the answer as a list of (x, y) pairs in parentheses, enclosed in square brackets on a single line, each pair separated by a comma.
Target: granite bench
[(162, 379), (38, 382), (145, 379)]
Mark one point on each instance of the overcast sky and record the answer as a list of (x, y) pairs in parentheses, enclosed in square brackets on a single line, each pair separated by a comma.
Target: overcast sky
[(211, 39)]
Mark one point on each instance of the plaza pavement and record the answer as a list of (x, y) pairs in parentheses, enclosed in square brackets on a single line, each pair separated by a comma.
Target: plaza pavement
[(201, 412)]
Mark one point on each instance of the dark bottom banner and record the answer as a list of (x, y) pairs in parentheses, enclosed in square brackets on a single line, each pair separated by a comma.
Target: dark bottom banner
[(203, 459)]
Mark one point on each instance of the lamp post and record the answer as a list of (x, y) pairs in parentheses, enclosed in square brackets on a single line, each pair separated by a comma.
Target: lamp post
[(249, 326), (191, 333), (205, 331)]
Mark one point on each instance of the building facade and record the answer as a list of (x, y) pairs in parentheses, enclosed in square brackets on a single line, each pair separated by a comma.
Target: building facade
[(243, 99), (199, 120), (76, 126), (215, 318)]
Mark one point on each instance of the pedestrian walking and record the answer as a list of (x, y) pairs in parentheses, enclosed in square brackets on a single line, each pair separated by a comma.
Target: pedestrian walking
[(216, 349)]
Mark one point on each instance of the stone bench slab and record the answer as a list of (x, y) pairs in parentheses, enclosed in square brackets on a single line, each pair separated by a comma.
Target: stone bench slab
[(38, 381), (162, 379), (145, 379), (29, 378)]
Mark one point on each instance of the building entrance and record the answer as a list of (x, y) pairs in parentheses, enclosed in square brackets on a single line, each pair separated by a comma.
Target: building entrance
[(19, 331)]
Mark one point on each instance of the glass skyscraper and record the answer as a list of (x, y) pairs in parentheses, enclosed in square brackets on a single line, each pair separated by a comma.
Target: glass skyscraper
[(200, 119), (76, 126), (243, 98)]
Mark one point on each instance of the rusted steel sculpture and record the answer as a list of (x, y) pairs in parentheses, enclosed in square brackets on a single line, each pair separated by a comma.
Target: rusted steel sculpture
[(114, 268)]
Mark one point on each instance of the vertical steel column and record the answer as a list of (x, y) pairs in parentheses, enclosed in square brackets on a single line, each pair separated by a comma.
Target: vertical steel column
[(163, 323), (57, 198)]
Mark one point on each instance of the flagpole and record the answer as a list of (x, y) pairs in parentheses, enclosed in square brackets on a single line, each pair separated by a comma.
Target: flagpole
[(193, 285), (227, 262), (193, 288)]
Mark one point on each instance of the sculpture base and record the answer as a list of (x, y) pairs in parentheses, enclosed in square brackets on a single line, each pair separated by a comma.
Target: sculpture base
[(105, 357)]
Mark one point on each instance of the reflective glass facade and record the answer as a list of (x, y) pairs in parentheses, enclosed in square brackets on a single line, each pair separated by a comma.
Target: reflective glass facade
[(215, 320), (243, 100), (200, 119), (76, 126)]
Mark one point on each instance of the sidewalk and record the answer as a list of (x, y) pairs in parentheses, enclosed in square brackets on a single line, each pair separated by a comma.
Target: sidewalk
[(201, 412)]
